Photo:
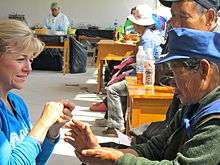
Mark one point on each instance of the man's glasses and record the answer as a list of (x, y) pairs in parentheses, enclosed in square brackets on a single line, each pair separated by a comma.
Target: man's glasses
[(54, 9)]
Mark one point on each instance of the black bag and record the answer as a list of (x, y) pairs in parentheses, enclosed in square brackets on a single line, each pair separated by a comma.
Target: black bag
[(49, 59), (78, 56)]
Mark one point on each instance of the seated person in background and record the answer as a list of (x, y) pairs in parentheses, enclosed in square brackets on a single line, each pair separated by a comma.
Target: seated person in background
[(123, 32), (143, 23), (193, 135), (56, 20), (128, 27), (20, 142)]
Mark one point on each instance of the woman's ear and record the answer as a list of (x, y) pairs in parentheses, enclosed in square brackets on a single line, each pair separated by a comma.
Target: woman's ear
[(204, 68)]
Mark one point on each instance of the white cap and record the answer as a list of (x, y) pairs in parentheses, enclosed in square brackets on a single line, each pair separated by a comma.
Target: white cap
[(142, 15)]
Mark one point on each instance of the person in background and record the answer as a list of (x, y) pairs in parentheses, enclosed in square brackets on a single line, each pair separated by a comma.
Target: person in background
[(56, 20), (193, 135), (20, 142), (144, 24), (160, 31), (125, 29), (128, 27)]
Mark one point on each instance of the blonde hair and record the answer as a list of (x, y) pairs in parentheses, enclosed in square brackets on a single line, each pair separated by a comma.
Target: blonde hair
[(18, 36)]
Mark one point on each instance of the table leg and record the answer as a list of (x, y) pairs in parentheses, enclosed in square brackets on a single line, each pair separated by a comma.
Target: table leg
[(100, 76), (128, 116), (66, 56)]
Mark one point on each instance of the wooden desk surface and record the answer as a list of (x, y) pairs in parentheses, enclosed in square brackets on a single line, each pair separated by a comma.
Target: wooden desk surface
[(141, 91), (147, 104), (112, 42)]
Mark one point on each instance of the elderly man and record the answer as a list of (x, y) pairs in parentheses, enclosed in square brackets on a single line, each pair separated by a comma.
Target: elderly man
[(195, 14), (193, 136), (56, 20)]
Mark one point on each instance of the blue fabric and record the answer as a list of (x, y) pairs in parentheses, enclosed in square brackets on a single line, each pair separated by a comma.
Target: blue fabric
[(160, 22), (151, 40), (58, 23), (15, 146), (191, 43), (190, 122)]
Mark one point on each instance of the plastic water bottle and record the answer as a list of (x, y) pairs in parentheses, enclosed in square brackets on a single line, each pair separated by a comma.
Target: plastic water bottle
[(140, 56), (115, 24), (149, 68)]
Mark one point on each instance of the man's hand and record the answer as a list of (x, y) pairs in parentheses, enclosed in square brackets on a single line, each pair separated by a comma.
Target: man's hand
[(103, 153), (93, 160), (80, 136)]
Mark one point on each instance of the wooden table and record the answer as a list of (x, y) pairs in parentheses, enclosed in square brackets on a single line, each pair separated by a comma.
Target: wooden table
[(111, 50), (63, 44), (147, 104)]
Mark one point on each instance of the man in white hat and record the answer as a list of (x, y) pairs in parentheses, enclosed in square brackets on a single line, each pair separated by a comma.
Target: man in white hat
[(56, 20)]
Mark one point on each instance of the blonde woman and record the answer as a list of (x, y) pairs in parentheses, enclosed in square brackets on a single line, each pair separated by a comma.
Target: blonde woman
[(20, 143)]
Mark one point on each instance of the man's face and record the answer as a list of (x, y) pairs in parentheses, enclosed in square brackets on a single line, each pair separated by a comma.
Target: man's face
[(185, 14), (188, 84), (55, 11)]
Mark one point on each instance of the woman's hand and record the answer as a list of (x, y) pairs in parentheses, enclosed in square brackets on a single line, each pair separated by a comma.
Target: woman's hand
[(53, 117), (51, 113), (65, 116), (80, 136)]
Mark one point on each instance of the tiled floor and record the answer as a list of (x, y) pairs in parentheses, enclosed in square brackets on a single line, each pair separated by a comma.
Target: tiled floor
[(44, 86)]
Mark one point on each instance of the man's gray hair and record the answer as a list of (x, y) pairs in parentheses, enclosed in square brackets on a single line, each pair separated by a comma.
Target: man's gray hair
[(203, 10)]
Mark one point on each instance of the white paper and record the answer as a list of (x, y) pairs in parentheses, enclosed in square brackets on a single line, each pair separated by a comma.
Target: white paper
[(64, 148), (123, 139)]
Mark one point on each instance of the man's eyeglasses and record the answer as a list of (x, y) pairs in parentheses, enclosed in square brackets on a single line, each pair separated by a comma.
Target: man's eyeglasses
[(54, 9)]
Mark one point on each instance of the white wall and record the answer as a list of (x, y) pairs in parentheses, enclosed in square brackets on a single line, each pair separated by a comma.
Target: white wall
[(96, 12)]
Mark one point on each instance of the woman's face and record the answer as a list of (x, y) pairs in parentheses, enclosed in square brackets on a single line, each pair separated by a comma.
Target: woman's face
[(14, 69), (138, 28)]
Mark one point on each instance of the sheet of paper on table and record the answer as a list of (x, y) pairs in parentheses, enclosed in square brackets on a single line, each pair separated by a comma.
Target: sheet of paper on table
[(123, 139), (63, 148)]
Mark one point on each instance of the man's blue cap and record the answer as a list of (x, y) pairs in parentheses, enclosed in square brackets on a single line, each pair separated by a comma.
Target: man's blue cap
[(186, 43)]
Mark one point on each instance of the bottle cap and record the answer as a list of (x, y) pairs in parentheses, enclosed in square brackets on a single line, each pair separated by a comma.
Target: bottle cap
[(140, 47), (149, 53)]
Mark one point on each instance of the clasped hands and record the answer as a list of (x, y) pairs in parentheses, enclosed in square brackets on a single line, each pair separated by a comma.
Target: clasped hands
[(86, 145), (55, 115)]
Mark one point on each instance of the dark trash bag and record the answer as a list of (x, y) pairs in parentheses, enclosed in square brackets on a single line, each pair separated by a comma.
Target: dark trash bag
[(49, 59), (78, 57)]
